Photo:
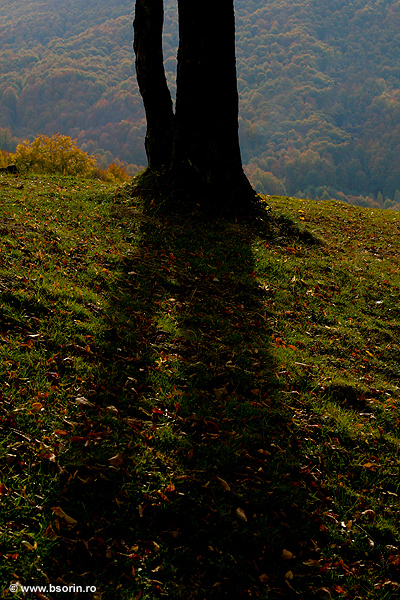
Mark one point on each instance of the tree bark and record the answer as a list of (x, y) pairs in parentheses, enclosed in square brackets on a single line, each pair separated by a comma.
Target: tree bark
[(206, 141), (148, 26), (199, 145)]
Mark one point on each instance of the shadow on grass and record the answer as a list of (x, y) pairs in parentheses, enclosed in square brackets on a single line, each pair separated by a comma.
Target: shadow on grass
[(182, 472)]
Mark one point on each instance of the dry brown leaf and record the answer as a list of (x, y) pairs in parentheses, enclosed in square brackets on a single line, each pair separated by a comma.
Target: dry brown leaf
[(369, 513), (220, 391), (29, 545), (286, 555), (223, 484), (289, 575), (83, 401), (241, 514), (57, 510), (264, 578), (264, 452), (312, 562), (37, 407), (117, 460)]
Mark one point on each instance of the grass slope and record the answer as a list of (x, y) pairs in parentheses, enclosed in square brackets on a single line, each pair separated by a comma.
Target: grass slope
[(195, 409)]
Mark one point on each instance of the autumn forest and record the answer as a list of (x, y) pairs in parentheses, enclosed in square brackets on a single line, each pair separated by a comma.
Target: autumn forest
[(319, 86)]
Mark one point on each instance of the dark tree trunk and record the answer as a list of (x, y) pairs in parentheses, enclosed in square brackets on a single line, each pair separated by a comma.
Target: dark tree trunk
[(206, 142), (199, 145), (148, 26)]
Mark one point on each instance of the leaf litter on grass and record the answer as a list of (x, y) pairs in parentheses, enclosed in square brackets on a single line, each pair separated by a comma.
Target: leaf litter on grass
[(198, 409)]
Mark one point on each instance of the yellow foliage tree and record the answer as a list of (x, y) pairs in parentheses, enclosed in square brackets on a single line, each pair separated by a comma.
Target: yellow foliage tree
[(4, 158), (55, 154), (113, 174)]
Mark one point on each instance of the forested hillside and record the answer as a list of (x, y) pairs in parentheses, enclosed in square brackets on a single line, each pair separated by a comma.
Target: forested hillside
[(320, 94), (319, 85)]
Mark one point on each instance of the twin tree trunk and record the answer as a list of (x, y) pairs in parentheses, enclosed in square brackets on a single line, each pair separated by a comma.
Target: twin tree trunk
[(198, 146)]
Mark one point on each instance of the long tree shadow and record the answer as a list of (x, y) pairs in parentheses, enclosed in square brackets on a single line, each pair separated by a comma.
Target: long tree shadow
[(182, 472)]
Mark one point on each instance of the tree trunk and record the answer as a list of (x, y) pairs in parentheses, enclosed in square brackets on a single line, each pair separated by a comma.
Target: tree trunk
[(199, 145), (148, 26), (206, 142)]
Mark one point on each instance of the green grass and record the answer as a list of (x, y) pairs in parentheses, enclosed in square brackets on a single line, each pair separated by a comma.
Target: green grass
[(213, 405)]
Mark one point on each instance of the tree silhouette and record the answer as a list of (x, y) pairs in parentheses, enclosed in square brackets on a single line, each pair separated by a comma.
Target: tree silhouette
[(198, 146), (148, 26)]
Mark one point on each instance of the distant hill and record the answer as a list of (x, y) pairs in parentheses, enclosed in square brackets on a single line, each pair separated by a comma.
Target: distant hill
[(68, 67), (319, 85), (320, 94)]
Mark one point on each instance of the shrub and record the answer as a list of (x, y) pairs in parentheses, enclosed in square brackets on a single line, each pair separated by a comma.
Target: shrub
[(118, 172), (113, 174), (4, 158), (55, 154)]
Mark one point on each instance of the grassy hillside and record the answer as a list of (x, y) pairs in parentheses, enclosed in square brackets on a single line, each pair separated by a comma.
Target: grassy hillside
[(197, 409)]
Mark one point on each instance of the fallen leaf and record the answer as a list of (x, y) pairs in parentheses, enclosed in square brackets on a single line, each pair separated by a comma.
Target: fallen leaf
[(264, 452), (211, 426), (37, 407), (339, 590), (57, 510), (117, 460), (264, 578), (369, 513), (83, 401), (286, 555), (241, 514), (29, 545), (223, 483), (311, 562), (220, 391), (289, 575)]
